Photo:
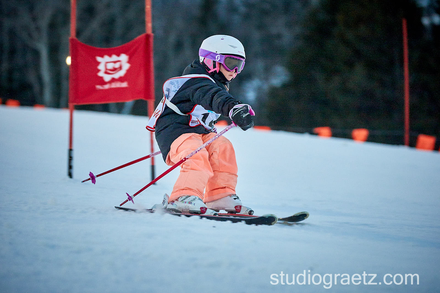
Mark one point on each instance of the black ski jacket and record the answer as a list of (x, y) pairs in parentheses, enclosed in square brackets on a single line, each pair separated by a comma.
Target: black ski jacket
[(196, 91)]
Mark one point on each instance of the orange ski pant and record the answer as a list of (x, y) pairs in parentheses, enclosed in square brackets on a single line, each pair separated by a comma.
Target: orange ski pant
[(210, 174)]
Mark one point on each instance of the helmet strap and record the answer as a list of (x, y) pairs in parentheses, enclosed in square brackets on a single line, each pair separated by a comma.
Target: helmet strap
[(216, 68)]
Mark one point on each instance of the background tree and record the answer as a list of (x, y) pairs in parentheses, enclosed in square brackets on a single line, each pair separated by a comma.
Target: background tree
[(32, 23), (346, 71), (309, 62), (425, 85)]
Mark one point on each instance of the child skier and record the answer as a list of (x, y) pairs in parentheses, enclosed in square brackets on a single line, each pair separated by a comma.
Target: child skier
[(185, 118)]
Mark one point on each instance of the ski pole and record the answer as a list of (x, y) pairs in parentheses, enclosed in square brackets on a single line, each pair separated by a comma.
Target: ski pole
[(93, 177), (178, 163)]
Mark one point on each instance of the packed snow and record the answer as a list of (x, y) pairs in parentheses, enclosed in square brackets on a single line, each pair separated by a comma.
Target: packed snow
[(373, 226)]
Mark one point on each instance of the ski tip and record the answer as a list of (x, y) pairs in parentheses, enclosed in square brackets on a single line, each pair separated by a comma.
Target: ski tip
[(273, 219), (269, 215), (295, 218), (303, 214)]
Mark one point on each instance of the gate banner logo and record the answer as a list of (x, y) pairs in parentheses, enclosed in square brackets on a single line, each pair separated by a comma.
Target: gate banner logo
[(112, 67), (110, 75)]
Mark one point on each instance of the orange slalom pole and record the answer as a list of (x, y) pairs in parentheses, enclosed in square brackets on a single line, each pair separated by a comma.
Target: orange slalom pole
[(406, 78)]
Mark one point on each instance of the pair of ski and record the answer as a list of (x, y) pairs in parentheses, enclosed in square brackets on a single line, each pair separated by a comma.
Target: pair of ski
[(268, 219)]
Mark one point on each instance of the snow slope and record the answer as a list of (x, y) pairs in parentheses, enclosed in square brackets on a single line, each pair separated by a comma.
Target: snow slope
[(374, 212)]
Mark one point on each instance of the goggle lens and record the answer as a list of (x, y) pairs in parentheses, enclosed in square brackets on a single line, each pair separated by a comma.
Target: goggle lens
[(232, 62)]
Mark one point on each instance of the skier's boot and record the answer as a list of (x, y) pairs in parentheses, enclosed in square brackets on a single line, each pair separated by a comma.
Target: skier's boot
[(231, 204), (189, 204)]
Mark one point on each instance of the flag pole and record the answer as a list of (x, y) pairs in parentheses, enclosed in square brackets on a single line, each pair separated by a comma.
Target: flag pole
[(71, 106), (150, 64)]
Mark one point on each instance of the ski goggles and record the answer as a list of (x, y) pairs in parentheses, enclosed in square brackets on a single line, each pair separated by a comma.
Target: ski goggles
[(230, 62)]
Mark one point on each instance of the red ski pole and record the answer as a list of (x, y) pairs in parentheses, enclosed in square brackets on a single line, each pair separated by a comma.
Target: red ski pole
[(93, 177), (130, 198)]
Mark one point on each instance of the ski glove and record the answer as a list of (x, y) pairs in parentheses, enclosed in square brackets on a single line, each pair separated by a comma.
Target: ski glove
[(241, 115)]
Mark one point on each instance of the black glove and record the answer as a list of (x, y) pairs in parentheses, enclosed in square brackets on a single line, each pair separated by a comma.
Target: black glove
[(241, 115)]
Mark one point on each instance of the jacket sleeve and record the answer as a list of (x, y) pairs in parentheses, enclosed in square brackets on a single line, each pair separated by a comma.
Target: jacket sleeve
[(212, 97)]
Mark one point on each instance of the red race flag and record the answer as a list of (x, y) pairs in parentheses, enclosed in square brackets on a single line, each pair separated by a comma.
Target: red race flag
[(109, 75)]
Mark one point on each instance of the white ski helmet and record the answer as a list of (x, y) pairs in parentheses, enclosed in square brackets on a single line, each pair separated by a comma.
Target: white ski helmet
[(222, 49)]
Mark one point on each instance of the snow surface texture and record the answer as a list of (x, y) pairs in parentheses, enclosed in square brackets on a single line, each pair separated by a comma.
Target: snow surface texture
[(374, 210)]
